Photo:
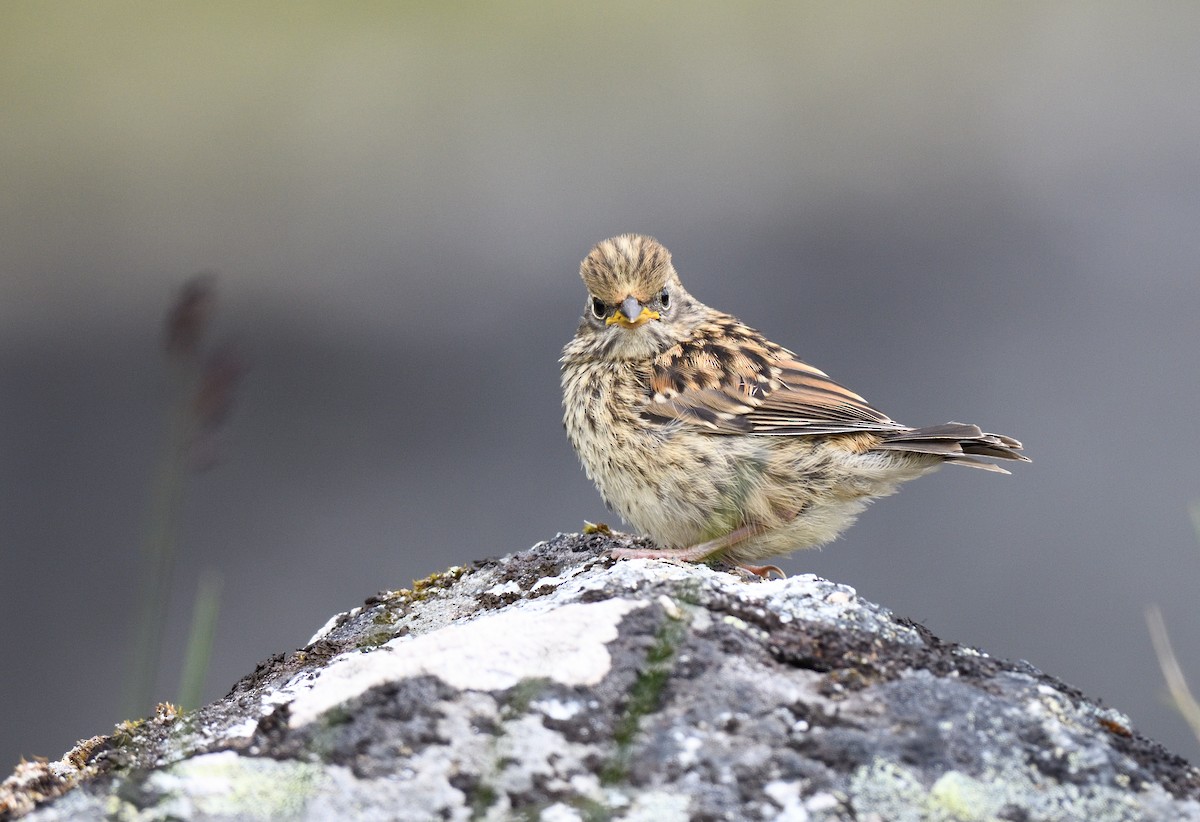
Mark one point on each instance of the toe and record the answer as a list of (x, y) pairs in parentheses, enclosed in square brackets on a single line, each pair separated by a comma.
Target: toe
[(764, 571)]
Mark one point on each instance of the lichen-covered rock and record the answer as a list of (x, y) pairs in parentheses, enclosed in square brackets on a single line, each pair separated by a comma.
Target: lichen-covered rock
[(555, 684)]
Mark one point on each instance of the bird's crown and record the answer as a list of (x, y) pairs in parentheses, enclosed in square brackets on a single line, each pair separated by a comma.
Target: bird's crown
[(629, 265)]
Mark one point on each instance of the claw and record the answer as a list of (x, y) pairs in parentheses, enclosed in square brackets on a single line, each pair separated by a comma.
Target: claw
[(764, 571)]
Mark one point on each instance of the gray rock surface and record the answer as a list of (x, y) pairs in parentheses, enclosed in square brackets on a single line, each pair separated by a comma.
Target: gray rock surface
[(555, 684)]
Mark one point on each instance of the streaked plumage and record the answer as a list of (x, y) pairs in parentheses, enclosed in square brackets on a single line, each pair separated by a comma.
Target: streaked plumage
[(716, 442)]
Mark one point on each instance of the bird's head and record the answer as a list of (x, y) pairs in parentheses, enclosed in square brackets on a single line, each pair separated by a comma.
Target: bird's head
[(635, 300)]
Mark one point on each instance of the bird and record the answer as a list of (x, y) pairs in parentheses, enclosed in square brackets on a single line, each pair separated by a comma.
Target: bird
[(716, 443)]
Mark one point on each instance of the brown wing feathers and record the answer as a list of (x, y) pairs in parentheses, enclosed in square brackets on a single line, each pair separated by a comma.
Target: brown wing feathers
[(807, 394), (730, 380)]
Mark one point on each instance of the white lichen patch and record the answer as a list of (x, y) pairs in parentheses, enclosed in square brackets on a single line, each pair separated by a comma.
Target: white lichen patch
[(558, 580), (558, 812), (669, 606), (803, 598), (534, 754), (1062, 725), (226, 785), (333, 622), (564, 644), (891, 791), (787, 799), (521, 757), (501, 588), (557, 709), (689, 748), (242, 730), (809, 598), (658, 806)]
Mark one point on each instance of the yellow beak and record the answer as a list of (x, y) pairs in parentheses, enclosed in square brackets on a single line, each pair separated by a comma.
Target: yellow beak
[(631, 314)]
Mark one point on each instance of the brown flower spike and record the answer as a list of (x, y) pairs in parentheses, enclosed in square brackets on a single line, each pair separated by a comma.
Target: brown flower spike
[(713, 440)]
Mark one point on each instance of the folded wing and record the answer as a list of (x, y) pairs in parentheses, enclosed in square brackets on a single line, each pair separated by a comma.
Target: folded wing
[(727, 379)]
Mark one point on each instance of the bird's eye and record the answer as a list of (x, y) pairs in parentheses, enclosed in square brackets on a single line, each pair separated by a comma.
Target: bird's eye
[(664, 299), (598, 308)]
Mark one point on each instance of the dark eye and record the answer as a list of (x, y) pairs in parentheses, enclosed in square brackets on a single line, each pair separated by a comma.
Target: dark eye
[(664, 299), (598, 308)]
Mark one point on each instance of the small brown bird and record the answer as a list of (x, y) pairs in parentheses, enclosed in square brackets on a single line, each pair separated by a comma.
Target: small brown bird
[(716, 442)]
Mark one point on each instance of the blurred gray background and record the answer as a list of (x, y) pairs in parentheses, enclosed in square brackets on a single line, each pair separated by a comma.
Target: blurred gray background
[(978, 212)]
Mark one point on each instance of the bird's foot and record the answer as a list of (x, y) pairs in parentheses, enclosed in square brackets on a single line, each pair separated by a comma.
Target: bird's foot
[(763, 571)]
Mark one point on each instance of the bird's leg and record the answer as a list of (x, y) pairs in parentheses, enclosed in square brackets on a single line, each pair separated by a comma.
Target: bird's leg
[(693, 553), (703, 550)]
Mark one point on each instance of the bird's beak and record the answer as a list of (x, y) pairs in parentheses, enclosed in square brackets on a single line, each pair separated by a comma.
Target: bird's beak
[(632, 314)]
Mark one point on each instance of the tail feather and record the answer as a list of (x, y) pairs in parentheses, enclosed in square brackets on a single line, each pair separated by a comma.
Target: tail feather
[(957, 442)]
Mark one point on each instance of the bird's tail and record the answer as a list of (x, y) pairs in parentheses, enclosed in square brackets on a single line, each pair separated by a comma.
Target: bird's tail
[(957, 442)]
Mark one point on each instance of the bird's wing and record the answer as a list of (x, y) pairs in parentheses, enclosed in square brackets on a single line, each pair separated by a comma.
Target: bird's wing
[(730, 380)]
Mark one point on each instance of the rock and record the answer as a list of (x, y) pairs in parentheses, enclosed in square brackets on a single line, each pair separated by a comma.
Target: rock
[(555, 684)]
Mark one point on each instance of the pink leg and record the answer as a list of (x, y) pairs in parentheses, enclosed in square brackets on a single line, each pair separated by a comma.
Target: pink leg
[(693, 553), (703, 551)]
